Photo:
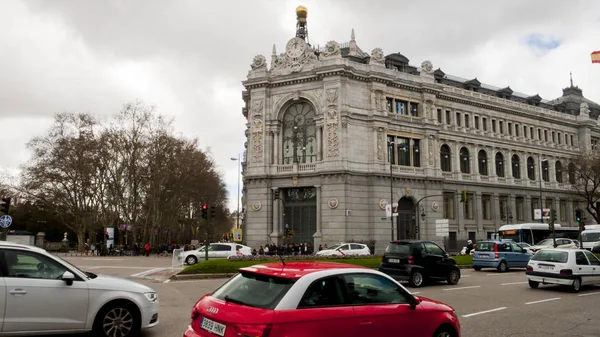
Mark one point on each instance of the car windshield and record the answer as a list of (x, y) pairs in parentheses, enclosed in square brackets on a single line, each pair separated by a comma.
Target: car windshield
[(90, 275), (485, 246), (546, 242), (398, 248), (551, 256), (254, 290), (334, 247), (590, 237)]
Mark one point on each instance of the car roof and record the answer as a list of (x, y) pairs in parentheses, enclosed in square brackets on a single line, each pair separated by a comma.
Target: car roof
[(295, 270), (10, 244), (565, 249), (409, 241)]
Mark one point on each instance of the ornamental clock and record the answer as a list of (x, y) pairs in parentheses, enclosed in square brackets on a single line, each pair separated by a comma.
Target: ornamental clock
[(295, 47)]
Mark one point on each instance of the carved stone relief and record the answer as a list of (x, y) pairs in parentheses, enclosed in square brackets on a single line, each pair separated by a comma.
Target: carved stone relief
[(584, 109), (333, 147), (430, 149), (259, 62), (257, 130), (290, 62), (377, 57), (332, 51), (427, 67), (332, 96), (380, 142)]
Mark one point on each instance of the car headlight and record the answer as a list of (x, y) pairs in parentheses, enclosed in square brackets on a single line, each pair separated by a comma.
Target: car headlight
[(152, 297)]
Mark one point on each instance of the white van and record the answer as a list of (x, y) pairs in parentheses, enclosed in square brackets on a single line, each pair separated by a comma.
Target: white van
[(590, 238)]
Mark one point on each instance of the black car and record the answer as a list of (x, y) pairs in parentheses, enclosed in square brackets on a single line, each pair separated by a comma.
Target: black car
[(417, 261)]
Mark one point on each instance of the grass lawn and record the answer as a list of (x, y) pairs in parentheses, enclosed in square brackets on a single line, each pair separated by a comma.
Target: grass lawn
[(222, 266)]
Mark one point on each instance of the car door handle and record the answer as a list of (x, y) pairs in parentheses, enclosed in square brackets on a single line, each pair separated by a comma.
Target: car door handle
[(18, 292), (366, 323)]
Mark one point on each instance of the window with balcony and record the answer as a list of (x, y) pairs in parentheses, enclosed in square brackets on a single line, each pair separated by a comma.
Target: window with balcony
[(499, 164), (486, 206), (559, 171), (516, 167), (403, 151), (445, 158), (545, 173), (530, 168), (299, 134), (448, 205), (520, 205), (482, 162), (465, 162), (468, 207)]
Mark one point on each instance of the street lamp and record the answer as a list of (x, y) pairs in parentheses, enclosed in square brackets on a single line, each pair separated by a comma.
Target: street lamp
[(391, 159), (541, 178), (238, 159)]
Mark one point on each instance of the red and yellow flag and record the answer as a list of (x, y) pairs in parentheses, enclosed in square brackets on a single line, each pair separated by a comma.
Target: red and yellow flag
[(596, 57)]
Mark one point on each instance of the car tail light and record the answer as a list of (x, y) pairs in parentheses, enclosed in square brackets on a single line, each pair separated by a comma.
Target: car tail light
[(257, 330), (529, 268), (411, 260), (195, 314), (566, 272), (496, 254)]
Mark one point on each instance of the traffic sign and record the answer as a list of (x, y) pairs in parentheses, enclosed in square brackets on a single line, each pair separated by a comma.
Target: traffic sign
[(5, 221)]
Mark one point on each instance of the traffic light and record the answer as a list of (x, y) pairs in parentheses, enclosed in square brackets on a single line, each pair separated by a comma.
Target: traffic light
[(204, 212), (578, 215), (5, 205), (213, 211), (107, 236), (463, 196), (582, 226), (552, 216)]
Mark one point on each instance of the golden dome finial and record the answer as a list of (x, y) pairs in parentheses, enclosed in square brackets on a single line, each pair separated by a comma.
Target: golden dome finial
[(301, 12)]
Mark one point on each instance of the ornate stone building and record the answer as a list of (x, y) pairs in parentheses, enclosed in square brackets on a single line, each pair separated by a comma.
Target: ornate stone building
[(335, 133)]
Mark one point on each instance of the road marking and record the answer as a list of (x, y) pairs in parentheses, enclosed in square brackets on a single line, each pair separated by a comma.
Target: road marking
[(483, 312), (542, 301), (100, 258), (110, 267), (148, 272), (167, 280), (498, 274), (589, 294), (460, 288), (415, 293), (511, 283), (461, 276)]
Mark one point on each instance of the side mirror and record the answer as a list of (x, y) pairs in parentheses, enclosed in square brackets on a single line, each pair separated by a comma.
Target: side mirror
[(414, 301), (68, 277)]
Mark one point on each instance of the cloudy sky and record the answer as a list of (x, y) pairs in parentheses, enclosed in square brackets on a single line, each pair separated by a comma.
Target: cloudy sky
[(189, 57)]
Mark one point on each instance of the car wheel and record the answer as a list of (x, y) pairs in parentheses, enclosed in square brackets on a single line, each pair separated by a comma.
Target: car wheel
[(477, 268), (502, 267), (416, 279), (190, 260), (576, 285), (453, 277), (444, 332), (120, 320), (534, 284)]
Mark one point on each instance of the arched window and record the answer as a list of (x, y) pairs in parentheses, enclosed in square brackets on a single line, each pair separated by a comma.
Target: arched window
[(299, 134), (571, 169), (516, 167), (465, 162), (530, 168), (482, 161), (545, 173), (445, 158), (559, 172), (499, 164)]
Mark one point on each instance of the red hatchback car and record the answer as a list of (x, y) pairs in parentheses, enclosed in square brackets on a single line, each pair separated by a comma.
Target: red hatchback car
[(312, 299)]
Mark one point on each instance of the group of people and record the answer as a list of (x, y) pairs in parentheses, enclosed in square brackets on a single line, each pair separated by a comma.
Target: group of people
[(284, 249)]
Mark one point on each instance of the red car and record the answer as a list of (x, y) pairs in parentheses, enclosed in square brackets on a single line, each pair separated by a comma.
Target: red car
[(312, 299)]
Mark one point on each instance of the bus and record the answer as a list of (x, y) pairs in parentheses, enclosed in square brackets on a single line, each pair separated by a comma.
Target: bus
[(533, 233)]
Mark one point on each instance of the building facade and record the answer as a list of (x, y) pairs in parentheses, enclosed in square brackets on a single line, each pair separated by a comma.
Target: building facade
[(336, 134)]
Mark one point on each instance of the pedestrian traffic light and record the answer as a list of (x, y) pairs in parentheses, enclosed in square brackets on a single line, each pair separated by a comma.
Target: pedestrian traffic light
[(276, 194), (5, 205), (213, 211), (107, 236), (204, 211), (578, 215)]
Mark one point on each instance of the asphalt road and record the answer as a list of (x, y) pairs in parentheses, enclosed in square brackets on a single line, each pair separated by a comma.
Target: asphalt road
[(488, 303)]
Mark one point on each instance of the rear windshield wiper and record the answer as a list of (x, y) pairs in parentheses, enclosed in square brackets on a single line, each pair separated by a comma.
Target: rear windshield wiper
[(232, 300)]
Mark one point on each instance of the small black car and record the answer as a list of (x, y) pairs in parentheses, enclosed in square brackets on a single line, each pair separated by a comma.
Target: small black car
[(416, 261)]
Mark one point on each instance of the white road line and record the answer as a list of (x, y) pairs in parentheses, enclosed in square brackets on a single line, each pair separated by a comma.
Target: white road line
[(100, 259), (147, 272), (499, 274), (511, 283), (110, 267), (461, 276), (483, 312), (542, 301), (167, 280), (460, 288), (589, 294)]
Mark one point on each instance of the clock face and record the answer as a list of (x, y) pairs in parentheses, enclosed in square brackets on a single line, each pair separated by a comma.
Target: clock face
[(295, 47)]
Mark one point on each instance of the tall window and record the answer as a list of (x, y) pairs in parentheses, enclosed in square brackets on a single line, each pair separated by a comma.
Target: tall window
[(563, 210), (516, 167), (439, 115), (403, 151), (468, 207), (299, 134), (571, 169), (530, 168), (520, 204), (484, 123), (482, 161), (486, 206), (465, 162), (448, 205), (535, 204), (503, 207), (559, 171), (445, 158), (458, 118), (545, 174), (499, 164)]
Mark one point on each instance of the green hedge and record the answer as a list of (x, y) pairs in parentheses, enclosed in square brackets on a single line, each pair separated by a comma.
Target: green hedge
[(223, 266)]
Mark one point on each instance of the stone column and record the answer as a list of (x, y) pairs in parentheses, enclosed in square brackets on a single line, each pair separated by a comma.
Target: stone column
[(527, 209), (276, 220), (318, 236), (319, 140), (478, 209), (496, 210), (276, 144)]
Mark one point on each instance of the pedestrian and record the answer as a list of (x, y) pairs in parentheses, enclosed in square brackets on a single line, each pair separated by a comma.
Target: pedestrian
[(147, 249)]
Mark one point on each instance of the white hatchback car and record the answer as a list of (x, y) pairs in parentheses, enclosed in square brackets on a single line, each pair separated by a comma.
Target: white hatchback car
[(216, 251), (549, 243), (345, 249), (569, 267)]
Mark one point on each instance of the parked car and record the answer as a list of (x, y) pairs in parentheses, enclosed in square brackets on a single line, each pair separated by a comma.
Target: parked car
[(47, 295), (318, 299), (501, 255), (525, 246), (215, 251), (418, 261), (345, 249), (568, 267), (549, 243)]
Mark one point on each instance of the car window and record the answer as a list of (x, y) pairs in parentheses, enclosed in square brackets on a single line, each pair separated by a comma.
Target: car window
[(580, 259), (23, 264), (485, 246), (590, 237), (356, 246), (551, 256), (505, 247), (344, 247), (517, 248), (222, 248), (373, 289), (433, 249), (254, 290), (592, 258), (238, 247), (326, 292), (398, 248)]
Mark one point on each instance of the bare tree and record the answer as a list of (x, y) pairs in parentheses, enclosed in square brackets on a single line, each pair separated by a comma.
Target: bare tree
[(586, 171)]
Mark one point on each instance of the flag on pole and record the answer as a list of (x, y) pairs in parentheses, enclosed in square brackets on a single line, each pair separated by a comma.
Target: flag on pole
[(596, 57)]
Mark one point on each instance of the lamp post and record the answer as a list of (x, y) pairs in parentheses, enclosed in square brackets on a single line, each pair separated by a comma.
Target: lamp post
[(238, 159), (391, 159), (541, 178)]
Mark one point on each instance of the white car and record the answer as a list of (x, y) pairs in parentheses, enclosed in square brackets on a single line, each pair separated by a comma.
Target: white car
[(44, 294), (215, 251), (345, 249), (569, 267), (549, 243)]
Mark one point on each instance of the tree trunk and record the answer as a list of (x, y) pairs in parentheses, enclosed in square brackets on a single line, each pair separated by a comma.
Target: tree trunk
[(81, 238)]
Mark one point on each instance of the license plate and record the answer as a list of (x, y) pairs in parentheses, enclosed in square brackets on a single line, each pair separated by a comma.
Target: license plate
[(394, 260), (484, 255), (212, 326), (545, 268)]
